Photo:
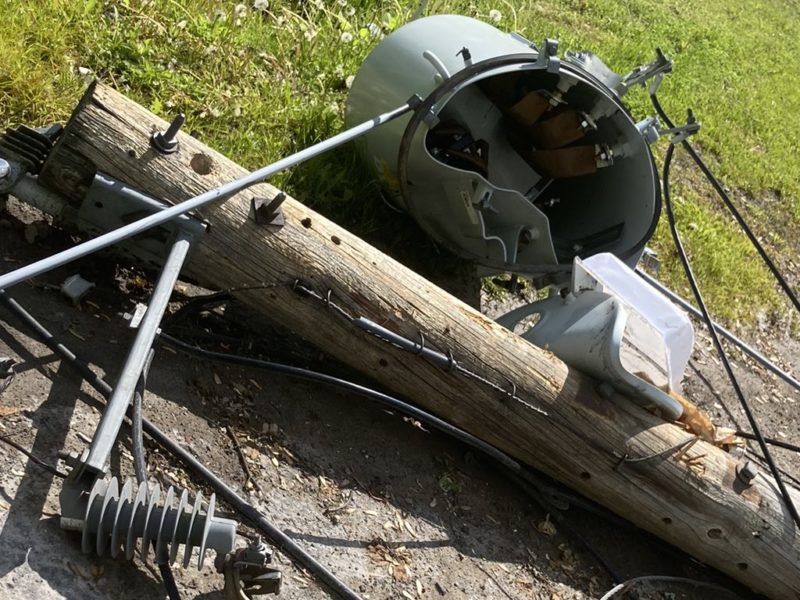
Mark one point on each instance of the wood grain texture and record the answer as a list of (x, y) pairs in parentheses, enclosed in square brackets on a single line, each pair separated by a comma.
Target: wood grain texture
[(742, 531)]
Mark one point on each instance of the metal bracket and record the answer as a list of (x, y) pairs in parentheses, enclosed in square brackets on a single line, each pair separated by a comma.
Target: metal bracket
[(548, 58), (585, 328), (650, 129), (639, 75)]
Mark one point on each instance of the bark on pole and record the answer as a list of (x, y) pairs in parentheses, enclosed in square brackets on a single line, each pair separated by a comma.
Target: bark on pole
[(743, 531)]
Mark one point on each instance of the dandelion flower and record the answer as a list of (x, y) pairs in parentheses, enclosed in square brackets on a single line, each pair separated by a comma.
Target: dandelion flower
[(261, 5), (495, 15), (346, 37)]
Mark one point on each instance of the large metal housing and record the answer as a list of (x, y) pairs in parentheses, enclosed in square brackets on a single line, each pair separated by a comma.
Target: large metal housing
[(515, 159)]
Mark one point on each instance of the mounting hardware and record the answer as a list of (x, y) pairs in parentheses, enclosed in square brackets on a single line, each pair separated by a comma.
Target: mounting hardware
[(650, 129), (746, 471), (642, 73), (267, 212), (165, 142), (76, 287), (650, 259), (547, 56), (247, 574), (679, 134), (465, 54)]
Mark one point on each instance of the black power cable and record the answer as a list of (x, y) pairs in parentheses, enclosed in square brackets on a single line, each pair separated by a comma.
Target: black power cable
[(772, 442), (278, 539), (520, 475), (715, 338), (730, 206), (35, 459), (140, 468)]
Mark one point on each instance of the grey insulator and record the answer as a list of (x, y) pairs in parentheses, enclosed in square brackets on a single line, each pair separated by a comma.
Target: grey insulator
[(116, 518)]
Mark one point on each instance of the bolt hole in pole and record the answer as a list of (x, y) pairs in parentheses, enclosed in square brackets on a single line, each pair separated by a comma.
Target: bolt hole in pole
[(201, 164)]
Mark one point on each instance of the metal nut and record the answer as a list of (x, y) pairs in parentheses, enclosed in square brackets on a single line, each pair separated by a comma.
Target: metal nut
[(747, 471)]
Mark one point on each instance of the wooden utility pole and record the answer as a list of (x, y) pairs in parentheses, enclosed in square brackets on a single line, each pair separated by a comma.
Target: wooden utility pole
[(696, 503)]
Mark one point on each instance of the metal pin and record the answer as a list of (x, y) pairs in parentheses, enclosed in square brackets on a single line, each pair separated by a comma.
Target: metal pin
[(165, 142)]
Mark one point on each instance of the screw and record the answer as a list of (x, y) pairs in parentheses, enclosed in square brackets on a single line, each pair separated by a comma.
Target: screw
[(165, 141), (746, 472), (5, 168)]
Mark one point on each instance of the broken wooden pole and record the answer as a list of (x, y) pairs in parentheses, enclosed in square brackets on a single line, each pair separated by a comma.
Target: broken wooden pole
[(597, 446)]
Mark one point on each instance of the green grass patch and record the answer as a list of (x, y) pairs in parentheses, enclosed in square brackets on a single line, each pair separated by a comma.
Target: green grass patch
[(259, 80)]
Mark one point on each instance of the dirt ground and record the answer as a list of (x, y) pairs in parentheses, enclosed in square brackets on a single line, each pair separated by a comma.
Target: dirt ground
[(394, 510)]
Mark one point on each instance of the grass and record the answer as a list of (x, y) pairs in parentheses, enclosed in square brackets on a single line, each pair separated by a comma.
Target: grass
[(259, 84)]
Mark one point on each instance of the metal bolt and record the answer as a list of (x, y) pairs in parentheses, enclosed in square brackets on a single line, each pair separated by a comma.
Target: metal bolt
[(165, 141), (263, 212), (747, 472), (605, 390), (5, 168)]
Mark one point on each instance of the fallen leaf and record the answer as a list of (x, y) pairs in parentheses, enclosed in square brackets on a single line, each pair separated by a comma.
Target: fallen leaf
[(410, 529), (546, 527)]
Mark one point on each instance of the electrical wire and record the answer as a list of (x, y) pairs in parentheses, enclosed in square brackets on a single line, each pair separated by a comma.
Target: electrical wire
[(35, 459), (140, 469), (772, 442), (277, 537), (717, 343), (711, 587), (729, 205), (531, 484)]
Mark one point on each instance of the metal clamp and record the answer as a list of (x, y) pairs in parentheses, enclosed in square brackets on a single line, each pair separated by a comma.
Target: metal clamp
[(680, 133), (247, 574), (642, 73), (651, 130)]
